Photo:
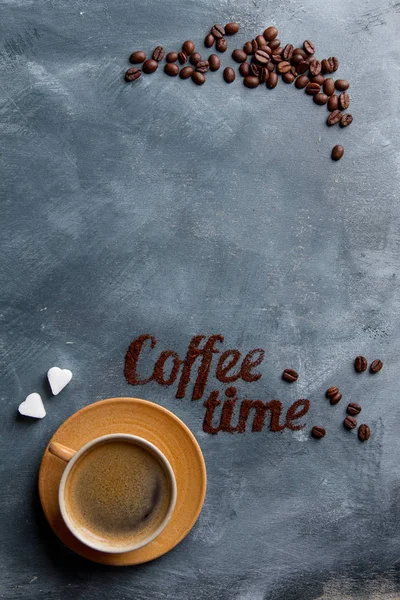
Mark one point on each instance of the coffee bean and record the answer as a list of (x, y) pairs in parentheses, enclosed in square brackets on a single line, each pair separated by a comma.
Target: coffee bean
[(271, 66), (209, 40), (248, 48), (229, 75), (376, 366), (335, 398), (293, 70), (337, 152), (320, 99), (283, 67), (132, 74), (334, 63), (186, 72), (255, 69), (244, 69), (231, 28), (329, 86), (334, 117), (214, 62), (360, 364), (149, 66), (315, 67), (270, 33), (318, 79), (182, 57), (353, 408), (288, 77), (137, 57), (251, 81), (261, 41), (202, 66), (158, 53), (346, 120), (287, 52), (333, 103), (171, 57), (342, 85), (272, 81), (262, 57), (198, 78), (221, 45), (239, 55), (290, 375), (312, 89), (277, 52), (364, 433), (332, 391), (309, 47), (326, 66), (300, 51), (296, 59), (171, 69), (264, 74), (301, 82), (218, 31), (302, 67), (195, 58), (276, 58), (188, 47), (274, 44), (254, 46), (350, 423), (344, 100), (318, 432)]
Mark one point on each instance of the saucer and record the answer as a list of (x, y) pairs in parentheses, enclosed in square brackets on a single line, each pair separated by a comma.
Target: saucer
[(147, 420)]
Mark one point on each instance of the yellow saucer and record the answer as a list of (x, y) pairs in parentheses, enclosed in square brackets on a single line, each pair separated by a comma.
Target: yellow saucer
[(159, 426)]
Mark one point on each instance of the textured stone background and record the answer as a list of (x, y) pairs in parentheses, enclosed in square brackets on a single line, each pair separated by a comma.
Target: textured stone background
[(166, 208)]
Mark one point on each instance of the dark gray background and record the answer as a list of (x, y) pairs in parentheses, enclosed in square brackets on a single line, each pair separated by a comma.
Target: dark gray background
[(161, 207)]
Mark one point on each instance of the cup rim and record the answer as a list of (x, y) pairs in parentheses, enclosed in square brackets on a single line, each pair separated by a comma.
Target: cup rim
[(104, 547)]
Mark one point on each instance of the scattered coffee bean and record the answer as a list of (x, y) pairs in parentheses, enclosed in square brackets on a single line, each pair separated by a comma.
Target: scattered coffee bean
[(255, 69), (333, 103), (290, 375), (132, 74), (312, 89), (332, 391), (195, 58), (271, 66), (248, 48), (344, 100), (342, 85), (171, 69), (302, 82), (320, 99), (296, 59), (272, 80), (182, 57), (221, 45), (261, 41), (335, 398), (186, 72), (218, 31), (277, 52), (300, 51), (254, 46), (158, 53), (283, 67), (337, 152), (326, 66), (288, 77), (198, 78), (229, 75), (231, 28), (334, 117), (202, 66), (315, 67), (270, 33), (188, 47), (244, 69), (171, 57), (214, 62), (293, 70), (364, 433), (209, 40), (149, 66), (309, 47), (346, 120), (350, 423), (360, 364), (318, 432), (302, 67), (329, 86), (353, 408), (137, 57), (239, 55), (376, 366), (334, 63), (251, 81), (263, 75), (287, 52), (274, 44), (276, 58), (318, 79), (262, 57)]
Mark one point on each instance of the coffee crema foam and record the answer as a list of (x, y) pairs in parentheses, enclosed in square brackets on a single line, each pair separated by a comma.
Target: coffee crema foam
[(117, 493)]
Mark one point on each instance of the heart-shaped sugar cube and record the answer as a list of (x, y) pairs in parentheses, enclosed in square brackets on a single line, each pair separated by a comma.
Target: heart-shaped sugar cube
[(58, 379), (32, 406)]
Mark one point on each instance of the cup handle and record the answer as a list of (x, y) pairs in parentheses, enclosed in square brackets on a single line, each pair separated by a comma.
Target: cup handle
[(61, 451)]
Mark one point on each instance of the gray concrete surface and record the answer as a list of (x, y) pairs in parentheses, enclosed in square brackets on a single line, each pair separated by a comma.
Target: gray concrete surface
[(165, 208)]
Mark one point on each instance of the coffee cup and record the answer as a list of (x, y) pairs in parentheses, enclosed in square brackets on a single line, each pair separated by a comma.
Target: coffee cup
[(117, 493)]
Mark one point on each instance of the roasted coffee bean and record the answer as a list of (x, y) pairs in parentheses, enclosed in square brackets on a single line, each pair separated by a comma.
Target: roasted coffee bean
[(302, 67), (277, 52), (318, 432), (287, 52), (350, 423), (272, 81), (309, 47), (209, 40), (342, 85), (326, 66), (244, 69), (221, 45), (346, 120), (332, 391), (251, 81), (296, 59), (293, 70), (329, 86), (276, 58), (360, 364), (300, 51), (188, 47), (283, 67), (334, 117), (195, 58), (186, 72), (335, 399), (274, 44), (301, 82), (255, 69), (137, 57), (202, 66), (312, 89), (271, 66), (231, 28), (262, 57), (198, 78), (254, 46), (337, 152), (171, 57), (318, 79), (264, 74), (344, 100), (353, 408), (333, 103), (248, 48), (239, 55), (270, 33), (290, 375), (376, 366), (334, 63), (182, 57), (315, 67), (158, 53), (288, 77), (149, 66), (218, 31), (171, 69), (364, 433), (214, 62), (229, 75), (320, 99), (132, 74)]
